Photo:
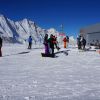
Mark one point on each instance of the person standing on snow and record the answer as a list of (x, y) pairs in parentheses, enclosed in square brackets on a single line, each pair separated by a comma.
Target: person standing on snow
[(0, 47), (65, 42), (83, 43), (51, 44), (30, 42), (46, 44), (79, 38), (56, 42)]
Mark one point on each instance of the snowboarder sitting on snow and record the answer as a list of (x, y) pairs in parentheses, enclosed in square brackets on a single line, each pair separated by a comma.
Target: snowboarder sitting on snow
[(51, 44), (30, 42), (46, 44), (0, 47)]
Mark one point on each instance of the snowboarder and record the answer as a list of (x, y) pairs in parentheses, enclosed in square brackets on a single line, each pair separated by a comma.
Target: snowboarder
[(30, 42), (46, 44), (0, 47)]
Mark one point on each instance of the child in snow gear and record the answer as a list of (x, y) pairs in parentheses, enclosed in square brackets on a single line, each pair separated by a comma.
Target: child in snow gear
[(30, 42), (0, 47), (46, 44)]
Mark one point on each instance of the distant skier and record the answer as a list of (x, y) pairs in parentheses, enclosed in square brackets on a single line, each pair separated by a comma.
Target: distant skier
[(0, 47), (30, 42), (46, 44)]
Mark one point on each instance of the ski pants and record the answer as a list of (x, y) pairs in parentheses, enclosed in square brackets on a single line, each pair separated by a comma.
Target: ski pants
[(65, 44), (46, 49)]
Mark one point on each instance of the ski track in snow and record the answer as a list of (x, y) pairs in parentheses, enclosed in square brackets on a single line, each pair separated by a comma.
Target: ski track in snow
[(30, 77)]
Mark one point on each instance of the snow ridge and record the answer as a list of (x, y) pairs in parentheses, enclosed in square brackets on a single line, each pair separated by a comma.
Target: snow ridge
[(19, 31)]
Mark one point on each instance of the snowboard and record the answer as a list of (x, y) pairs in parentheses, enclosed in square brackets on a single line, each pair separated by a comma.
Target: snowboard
[(64, 52), (47, 55)]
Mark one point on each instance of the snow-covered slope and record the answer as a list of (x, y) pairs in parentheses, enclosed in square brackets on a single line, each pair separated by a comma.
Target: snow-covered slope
[(30, 77)]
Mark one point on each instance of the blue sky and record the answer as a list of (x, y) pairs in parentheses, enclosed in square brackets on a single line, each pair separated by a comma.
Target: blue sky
[(73, 14)]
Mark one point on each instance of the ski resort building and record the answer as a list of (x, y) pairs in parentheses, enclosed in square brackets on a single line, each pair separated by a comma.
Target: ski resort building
[(91, 33)]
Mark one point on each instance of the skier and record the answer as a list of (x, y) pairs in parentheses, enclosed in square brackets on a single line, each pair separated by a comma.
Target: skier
[(0, 47), (30, 42), (46, 44)]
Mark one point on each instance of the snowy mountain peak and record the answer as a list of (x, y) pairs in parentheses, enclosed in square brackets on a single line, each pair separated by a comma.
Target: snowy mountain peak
[(25, 20), (19, 31)]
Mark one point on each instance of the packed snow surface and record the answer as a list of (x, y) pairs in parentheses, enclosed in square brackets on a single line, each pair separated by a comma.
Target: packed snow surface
[(25, 75)]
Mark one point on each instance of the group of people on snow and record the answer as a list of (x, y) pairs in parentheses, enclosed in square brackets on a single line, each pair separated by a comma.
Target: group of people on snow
[(81, 42), (50, 44)]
